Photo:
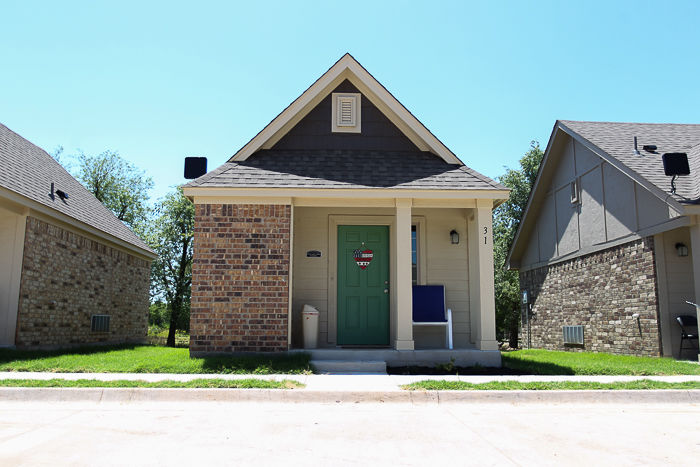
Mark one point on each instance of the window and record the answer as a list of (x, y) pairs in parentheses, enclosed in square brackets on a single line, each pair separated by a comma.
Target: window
[(575, 194), (346, 116), (414, 255)]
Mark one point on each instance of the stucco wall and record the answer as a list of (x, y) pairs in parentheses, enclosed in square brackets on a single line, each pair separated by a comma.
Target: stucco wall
[(67, 278), (612, 207), (444, 263), (601, 292)]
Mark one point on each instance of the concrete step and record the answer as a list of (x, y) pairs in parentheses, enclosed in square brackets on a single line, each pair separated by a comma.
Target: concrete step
[(349, 366)]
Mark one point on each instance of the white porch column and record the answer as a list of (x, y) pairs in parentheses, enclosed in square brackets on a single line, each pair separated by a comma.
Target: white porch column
[(482, 307), (403, 286), (695, 253)]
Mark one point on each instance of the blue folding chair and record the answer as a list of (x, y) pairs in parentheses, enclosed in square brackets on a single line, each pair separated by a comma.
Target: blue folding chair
[(429, 309)]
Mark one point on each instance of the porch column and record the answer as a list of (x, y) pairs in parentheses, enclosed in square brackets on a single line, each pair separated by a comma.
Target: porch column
[(403, 287), (482, 308), (695, 256)]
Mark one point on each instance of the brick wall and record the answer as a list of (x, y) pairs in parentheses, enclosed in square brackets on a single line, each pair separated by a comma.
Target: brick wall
[(240, 277), (600, 291), (66, 278)]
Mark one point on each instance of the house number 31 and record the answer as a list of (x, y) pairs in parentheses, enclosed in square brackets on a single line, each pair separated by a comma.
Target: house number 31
[(486, 231)]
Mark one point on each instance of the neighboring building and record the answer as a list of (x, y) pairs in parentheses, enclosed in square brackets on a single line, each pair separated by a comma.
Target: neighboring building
[(72, 273), (345, 167), (602, 242)]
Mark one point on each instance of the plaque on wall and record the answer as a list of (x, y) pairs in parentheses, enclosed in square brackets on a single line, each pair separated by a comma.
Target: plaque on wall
[(313, 254)]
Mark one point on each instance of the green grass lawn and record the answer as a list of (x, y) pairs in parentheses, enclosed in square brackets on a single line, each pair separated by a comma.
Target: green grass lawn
[(433, 385), (147, 359), (549, 362), (196, 383)]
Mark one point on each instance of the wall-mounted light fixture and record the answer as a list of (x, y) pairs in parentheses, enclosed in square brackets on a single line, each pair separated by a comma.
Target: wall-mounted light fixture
[(681, 249), (454, 237)]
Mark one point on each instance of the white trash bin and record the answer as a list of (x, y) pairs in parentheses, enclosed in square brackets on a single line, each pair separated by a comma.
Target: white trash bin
[(310, 317)]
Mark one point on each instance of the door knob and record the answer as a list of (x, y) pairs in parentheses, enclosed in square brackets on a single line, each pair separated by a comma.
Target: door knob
[(386, 290)]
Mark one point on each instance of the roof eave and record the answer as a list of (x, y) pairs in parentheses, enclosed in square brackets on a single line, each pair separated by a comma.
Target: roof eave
[(66, 219)]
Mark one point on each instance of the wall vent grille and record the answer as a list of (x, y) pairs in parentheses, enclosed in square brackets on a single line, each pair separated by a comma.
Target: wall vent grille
[(100, 323), (573, 334), (346, 113)]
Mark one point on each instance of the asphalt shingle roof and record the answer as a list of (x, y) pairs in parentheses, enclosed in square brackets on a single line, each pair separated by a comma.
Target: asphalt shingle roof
[(345, 169), (617, 140), (28, 170)]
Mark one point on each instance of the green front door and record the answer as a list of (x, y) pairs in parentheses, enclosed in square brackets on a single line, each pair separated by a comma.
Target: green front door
[(363, 284)]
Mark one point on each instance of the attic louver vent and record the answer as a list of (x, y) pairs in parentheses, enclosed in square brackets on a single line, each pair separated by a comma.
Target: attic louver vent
[(346, 116), (346, 113)]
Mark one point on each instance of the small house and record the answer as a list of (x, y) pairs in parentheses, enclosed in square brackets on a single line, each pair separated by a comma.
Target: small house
[(608, 249), (343, 202), (72, 273)]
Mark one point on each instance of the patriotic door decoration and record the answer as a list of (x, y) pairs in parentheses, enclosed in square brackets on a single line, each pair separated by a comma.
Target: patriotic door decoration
[(363, 257)]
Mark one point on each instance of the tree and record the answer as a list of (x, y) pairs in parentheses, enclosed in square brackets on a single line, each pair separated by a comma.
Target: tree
[(117, 184), (506, 220), (171, 237)]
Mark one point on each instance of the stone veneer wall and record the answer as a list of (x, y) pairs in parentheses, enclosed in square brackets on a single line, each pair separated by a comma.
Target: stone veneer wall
[(240, 278), (67, 278), (600, 291)]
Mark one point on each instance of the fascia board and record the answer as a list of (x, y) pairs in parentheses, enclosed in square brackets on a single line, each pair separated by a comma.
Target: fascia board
[(515, 247), (192, 192)]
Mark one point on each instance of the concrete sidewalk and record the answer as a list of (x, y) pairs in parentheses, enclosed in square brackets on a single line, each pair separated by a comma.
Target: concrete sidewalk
[(350, 388), (342, 382)]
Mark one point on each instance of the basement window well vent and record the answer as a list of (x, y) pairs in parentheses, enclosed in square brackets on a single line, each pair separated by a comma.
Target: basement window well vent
[(346, 113), (100, 323), (573, 335)]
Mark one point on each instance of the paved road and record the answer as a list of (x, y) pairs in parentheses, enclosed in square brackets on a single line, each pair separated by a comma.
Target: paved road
[(261, 434)]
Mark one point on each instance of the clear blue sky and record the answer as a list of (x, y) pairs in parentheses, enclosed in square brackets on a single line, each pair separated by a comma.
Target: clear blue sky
[(158, 81)]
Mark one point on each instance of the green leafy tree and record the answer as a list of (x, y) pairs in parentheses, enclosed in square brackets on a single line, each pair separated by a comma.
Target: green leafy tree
[(117, 184), (171, 237), (506, 219)]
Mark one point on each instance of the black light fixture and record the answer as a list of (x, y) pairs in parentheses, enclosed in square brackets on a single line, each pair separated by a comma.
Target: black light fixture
[(681, 249), (454, 237)]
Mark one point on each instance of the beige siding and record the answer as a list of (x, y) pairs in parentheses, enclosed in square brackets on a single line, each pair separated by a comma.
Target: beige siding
[(445, 264), (11, 247), (679, 286), (612, 207)]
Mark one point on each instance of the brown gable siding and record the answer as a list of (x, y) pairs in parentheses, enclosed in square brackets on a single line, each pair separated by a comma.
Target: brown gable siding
[(314, 130)]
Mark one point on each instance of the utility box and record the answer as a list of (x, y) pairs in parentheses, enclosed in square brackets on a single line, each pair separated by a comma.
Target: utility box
[(309, 315)]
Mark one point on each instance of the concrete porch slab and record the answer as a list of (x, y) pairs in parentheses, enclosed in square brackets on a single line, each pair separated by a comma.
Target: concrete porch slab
[(428, 358)]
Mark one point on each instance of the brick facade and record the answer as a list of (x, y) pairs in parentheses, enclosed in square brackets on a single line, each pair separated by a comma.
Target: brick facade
[(67, 278), (600, 291), (240, 278)]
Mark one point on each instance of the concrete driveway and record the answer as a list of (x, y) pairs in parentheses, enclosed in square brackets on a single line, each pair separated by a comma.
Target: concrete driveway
[(260, 434)]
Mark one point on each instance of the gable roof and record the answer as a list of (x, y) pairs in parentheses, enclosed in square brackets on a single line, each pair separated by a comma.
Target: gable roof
[(614, 143), (28, 171), (347, 68), (262, 164), (345, 169)]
